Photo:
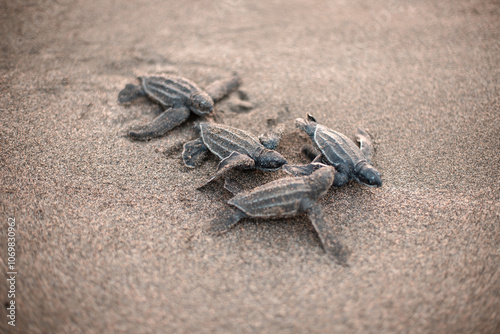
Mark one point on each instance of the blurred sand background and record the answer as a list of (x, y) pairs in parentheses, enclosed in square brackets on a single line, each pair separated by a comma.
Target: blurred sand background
[(109, 231)]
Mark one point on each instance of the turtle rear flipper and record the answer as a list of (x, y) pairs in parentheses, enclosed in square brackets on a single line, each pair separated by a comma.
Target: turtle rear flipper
[(330, 242), (226, 220), (221, 88), (130, 93), (271, 139), (365, 144), (168, 120), (193, 152), (311, 118)]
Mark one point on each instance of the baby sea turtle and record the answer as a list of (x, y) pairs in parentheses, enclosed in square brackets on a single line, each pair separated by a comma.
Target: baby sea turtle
[(285, 198), (235, 147), (178, 97), (350, 161)]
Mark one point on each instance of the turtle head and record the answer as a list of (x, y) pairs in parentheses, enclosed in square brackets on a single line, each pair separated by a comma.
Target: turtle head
[(270, 160), (367, 175), (201, 104)]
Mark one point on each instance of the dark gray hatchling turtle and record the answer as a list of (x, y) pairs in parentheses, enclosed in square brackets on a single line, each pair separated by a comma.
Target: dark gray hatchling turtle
[(286, 197), (350, 161), (236, 148), (178, 97)]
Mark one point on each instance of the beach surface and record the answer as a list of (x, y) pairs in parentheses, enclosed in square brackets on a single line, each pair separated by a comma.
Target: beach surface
[(109, 232)]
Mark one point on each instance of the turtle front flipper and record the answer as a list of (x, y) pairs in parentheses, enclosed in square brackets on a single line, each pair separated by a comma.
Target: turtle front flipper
[(130, 93), (365, 144), (303, 170), (271, 139), (168, 120), (234, 160), (193, 152), (222, 88), (329, 240), (233, 186), (226, 220), (240, 103)]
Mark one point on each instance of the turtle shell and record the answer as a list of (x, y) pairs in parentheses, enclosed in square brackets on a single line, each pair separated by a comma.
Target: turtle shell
[(285, 197), (337, 149), (169, 91), (223, 140), (280, 198)]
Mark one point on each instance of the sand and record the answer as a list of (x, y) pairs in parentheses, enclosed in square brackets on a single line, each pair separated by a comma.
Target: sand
[(109, 232)]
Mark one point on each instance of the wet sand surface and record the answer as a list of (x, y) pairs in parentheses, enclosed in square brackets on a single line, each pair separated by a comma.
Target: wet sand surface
[(109, 232)]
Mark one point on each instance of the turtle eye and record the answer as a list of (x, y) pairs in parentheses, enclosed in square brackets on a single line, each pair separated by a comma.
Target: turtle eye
[(205, 105)]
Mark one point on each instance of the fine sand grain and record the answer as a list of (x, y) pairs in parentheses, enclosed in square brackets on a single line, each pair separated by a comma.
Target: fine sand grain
[(109, 232)]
